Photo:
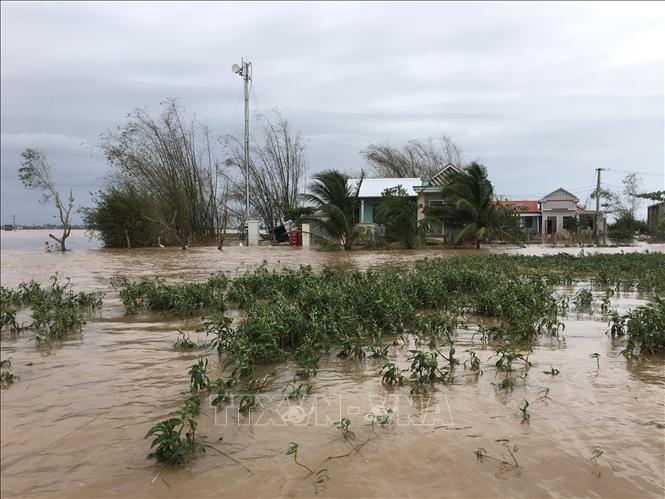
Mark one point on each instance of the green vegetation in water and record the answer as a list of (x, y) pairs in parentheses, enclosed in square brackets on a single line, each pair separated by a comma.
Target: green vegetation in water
[(184, 342), (180, 299), (6, 376), (583, 301), (174, 439), (645, 327), (343, 426), (56, 309), (524, 409)]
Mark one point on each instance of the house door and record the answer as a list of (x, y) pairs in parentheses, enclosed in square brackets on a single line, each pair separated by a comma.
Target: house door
[(550, 225)]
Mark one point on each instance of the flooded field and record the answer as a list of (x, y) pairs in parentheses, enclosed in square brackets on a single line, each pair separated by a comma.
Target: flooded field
[(74, 422)]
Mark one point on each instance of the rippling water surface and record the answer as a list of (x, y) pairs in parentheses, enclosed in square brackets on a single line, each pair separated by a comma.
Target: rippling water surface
[(73, 424)]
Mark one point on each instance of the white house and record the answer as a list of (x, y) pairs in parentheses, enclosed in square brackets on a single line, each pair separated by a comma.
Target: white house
[(555, 208)]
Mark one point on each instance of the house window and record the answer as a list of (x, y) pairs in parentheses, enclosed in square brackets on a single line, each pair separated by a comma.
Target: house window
[(528, 222), (435, 202)]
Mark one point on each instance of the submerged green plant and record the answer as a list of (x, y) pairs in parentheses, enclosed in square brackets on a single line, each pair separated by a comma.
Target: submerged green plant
[(583, 300), (56, 309), (169, 444), (526, 417), (198, 377), (473, 362), (645, 326), (424, 366), (380, 419), (378, 351), (597, 357), (184, 342), (293, 451), (343, 426), (297, 392), (6, 377), (597, 452), (308, 366), (221, 392), (180, 299), (392, 375)]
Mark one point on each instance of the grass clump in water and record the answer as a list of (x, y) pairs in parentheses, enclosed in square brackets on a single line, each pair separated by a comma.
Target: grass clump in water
[(180, 299)]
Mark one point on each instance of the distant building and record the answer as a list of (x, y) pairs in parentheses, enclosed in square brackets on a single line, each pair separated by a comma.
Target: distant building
[(372, 189), (655, 214), (529, 213), (560, 207), (427, 192), (548, 216)]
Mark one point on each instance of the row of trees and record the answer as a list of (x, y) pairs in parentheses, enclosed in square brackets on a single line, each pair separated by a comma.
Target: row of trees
[(470, 208), (170, 179)]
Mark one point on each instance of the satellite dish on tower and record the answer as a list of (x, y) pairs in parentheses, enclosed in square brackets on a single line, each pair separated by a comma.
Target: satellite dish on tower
[(236, 69)]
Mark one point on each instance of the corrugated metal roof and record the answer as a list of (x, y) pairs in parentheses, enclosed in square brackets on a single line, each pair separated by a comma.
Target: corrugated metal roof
[(374, 187)]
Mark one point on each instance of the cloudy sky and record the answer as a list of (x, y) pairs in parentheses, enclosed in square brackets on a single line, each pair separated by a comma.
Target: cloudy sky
[(541, 93)]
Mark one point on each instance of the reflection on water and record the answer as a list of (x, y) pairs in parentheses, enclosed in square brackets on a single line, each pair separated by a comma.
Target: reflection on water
[(73, 424)]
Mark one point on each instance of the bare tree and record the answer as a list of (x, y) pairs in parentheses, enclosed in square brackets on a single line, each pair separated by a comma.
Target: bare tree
[(623, 204), (415, 158), (35, 173), (172, 158), (276, 169)]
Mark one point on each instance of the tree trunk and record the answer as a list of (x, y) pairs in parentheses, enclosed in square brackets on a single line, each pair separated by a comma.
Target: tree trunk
[(477, 243), (129, 245), (61, 242)]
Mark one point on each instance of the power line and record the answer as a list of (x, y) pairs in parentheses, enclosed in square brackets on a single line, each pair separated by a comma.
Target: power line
[(633, 171), (573, 191)]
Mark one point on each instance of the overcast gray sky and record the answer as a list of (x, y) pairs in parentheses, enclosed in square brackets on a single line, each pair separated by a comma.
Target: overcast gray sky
[(541, 93)]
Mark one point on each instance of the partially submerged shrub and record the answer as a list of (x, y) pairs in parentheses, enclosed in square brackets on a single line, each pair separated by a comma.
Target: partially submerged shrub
[(6, 376), (646, 328), (56, 309), (180, 299)]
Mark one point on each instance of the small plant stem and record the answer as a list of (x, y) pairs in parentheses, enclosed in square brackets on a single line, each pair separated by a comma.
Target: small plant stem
[(229, 456), (355, 448), (303, 465), (513, 456)]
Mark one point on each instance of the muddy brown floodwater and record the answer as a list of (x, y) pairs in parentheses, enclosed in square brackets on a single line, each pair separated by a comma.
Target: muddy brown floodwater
[(73, 424)]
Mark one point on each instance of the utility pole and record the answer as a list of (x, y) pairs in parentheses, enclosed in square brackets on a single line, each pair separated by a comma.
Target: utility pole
[(14, 220), (245, 71), (595, 218)]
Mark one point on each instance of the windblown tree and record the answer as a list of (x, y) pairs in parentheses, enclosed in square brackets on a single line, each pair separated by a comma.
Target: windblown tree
[(470, 207), (399, 214), (624, 205), (35, 174), (413, 159), (337, 203), (276, 169), (122, 216), (170, 158)]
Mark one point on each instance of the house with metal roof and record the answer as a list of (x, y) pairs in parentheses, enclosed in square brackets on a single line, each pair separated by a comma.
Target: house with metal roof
[(427, 192), (371, 190)]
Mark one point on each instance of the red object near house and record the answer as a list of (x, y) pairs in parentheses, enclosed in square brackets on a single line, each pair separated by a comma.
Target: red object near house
[(295, 237)]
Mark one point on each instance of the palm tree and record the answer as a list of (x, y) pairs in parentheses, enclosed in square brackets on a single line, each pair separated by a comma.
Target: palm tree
[(337, 202), (469, 205)]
